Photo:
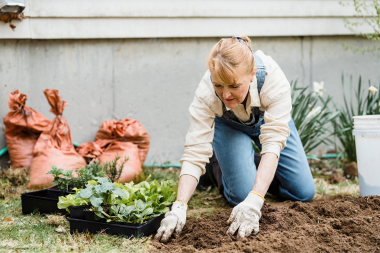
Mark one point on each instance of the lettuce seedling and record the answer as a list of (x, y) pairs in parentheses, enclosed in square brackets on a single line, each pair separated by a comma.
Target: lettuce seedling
[(70, 200), (100, 192), (130, 203), (145, 201)]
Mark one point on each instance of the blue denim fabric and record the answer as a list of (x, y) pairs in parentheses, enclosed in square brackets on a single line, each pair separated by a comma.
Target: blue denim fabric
[(233, 149)]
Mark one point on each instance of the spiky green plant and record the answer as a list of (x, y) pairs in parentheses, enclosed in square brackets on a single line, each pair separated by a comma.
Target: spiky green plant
[(344, 124), (113, 168), (312, 123)]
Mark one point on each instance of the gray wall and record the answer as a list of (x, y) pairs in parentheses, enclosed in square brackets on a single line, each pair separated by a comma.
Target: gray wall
[(153, 80)]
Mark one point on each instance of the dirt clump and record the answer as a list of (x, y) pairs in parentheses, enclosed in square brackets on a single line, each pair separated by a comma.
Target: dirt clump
[(344, 224), (336, 178), (351, 170)]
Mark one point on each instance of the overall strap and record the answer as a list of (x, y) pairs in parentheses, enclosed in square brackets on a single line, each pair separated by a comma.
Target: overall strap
[(260, 72)]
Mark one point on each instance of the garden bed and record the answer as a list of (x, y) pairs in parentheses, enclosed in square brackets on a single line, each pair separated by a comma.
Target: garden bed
[(344, 224)]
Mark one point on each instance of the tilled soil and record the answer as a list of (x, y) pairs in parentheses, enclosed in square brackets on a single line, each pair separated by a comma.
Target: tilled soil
[(347, 224)]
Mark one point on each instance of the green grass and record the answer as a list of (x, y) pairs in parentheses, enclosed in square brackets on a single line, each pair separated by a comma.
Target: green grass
[(162, 173), (206, 203)]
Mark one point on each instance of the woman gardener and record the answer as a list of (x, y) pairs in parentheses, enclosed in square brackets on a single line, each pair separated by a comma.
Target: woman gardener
[(243, 97)]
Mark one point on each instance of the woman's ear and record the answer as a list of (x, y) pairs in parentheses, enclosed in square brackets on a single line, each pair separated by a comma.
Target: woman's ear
[(253, 74)]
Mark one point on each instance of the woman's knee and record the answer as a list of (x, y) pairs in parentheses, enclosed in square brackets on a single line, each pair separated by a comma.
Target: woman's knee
[(306, 194), (298, 189), (238, 193), (235, 199)]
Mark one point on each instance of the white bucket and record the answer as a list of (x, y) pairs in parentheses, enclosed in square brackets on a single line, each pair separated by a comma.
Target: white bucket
[(367, 138)]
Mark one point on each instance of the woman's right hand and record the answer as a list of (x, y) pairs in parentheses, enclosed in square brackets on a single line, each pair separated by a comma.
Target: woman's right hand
[(173, 222)]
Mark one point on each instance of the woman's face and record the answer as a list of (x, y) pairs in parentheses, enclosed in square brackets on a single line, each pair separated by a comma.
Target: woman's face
[(233, 94)]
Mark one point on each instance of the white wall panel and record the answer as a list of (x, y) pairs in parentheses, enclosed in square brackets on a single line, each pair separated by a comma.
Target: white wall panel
[(187, 8), (96, 19)]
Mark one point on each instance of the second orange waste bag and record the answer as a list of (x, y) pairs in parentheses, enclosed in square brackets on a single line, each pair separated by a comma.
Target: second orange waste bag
[(54, 146), (127, 130), (107, 150)]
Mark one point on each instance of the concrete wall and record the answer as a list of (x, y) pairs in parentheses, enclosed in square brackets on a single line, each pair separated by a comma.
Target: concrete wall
[(153, 80)]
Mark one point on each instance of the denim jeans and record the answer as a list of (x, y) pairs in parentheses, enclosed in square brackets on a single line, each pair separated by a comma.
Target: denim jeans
[(233, 149)]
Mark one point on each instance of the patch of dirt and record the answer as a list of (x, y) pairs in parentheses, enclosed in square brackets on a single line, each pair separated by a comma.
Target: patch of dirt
[(344, 224), (15, 176), (55, 220), (336, 178), (13, 181)]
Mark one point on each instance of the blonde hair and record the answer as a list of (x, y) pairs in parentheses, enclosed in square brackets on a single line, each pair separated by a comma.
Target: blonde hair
[(229, 54)]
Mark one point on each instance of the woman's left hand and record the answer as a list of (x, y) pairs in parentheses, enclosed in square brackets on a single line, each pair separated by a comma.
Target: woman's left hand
[(245, 216)]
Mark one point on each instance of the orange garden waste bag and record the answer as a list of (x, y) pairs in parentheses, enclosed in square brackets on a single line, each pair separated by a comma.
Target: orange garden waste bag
[(90, 151), (54, 146), (107, 150), (127, 130), (23, 126)]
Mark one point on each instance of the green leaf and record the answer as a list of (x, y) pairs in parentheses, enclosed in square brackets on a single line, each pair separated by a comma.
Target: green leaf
[(107, 186), (154, 198), (98, 188), (130, 209), (99, 215), (119, 185), (85, 193), (166, 191), (120, 192), (156, 183), (175, 188), (165, 210), (139, 204), (145, 185), (92, 182), (67, 174), (102, 180), (70, 200), (95, 201), (147, 211)]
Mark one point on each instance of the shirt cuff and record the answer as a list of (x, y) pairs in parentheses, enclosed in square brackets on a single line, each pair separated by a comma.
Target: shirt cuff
[(191, 169), (271, 148)]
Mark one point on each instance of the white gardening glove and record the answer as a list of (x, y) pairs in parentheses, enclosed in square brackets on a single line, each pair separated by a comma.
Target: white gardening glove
[(175, 219), (246, 216)]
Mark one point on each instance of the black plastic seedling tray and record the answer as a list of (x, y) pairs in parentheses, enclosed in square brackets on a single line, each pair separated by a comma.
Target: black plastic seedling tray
[(43, 201), (90, 216), (77, 212), (149, 227)]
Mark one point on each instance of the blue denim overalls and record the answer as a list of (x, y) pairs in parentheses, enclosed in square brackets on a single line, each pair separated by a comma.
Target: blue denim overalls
[(232, 145)]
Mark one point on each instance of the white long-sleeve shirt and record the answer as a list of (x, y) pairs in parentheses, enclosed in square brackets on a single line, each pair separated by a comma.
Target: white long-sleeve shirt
[(274, 99)]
